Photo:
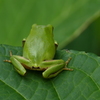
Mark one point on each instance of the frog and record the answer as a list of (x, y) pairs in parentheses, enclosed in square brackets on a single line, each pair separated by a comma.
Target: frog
[(39, 49)]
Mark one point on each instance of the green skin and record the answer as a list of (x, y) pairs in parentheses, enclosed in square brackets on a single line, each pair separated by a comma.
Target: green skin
[(38, 51)]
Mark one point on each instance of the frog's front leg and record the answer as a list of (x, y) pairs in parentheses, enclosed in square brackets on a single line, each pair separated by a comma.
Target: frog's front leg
[(56, 45), (54, 67), (23, 42)]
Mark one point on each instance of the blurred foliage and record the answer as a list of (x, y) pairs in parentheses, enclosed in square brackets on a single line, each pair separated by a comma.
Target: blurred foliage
[(89, 40), (69, 18)]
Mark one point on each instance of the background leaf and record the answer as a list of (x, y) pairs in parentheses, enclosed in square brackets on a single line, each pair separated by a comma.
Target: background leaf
[(81, 84), (89, 40), (69, 17)]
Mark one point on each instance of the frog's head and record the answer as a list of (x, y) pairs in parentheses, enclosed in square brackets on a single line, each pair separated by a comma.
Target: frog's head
[(43, 28)]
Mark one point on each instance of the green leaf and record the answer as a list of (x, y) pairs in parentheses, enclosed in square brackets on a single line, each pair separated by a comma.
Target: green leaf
[(83, 83), (69, 18)]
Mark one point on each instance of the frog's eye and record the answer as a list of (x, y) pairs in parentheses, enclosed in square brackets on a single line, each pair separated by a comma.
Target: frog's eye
[(52, 28), (34, 25)]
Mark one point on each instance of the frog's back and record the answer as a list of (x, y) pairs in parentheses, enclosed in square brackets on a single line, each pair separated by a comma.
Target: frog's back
[(39, 44)]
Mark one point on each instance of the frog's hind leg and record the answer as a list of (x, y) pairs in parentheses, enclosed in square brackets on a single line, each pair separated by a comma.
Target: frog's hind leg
[(16, 61), (54, 67), (66, 65), (52, 71), (8, 60), (17, 64)]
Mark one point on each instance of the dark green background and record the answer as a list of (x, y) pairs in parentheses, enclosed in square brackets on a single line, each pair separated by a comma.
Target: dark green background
[(70, 18)]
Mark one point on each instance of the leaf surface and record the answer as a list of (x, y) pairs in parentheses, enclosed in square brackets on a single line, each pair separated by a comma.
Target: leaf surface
[(83, 83)]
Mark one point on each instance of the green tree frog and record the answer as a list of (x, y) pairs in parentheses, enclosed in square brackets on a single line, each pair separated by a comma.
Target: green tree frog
[(38, 51)]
